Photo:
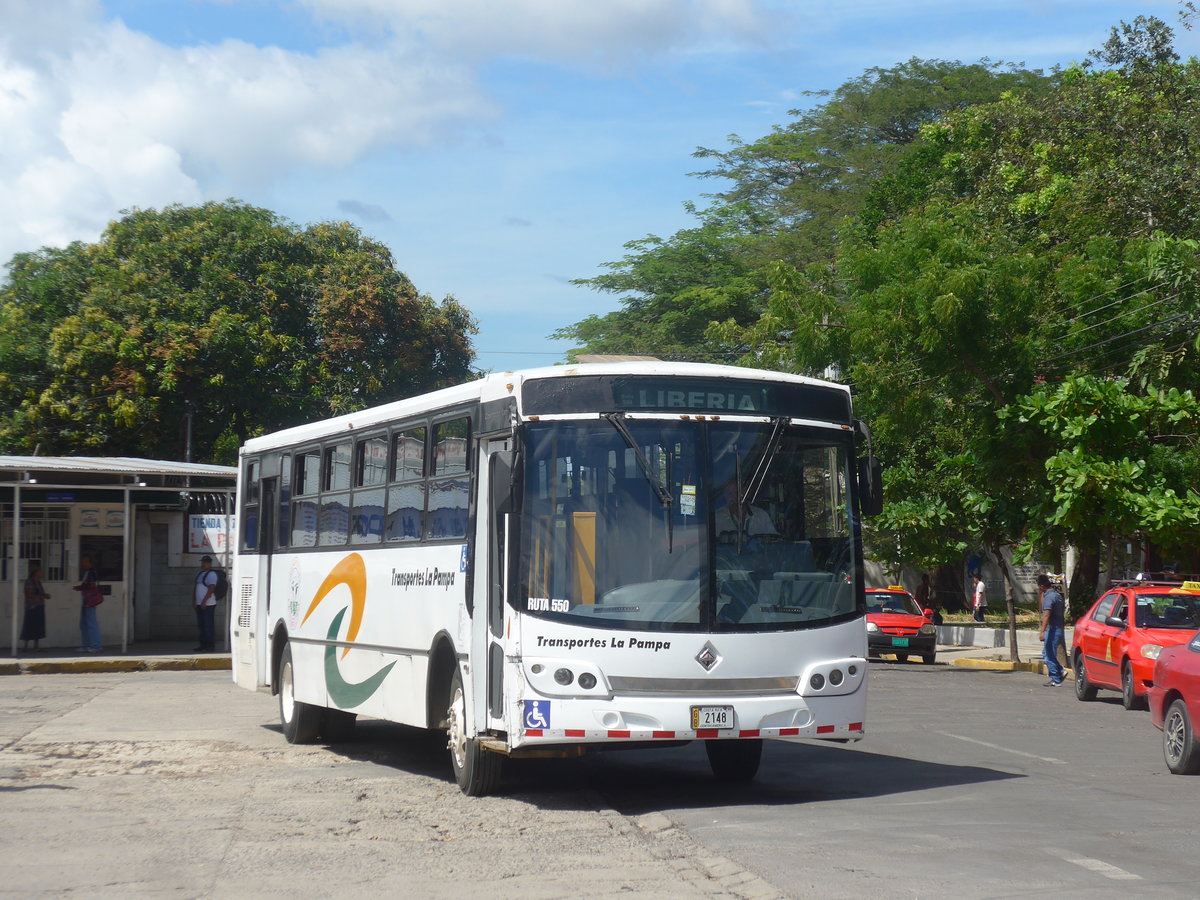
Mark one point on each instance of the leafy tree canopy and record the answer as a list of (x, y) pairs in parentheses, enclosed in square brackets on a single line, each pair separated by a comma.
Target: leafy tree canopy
[(221, 315)]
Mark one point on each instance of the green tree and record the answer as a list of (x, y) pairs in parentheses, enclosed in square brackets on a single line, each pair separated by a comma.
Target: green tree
[(790, 194), (221, 316)]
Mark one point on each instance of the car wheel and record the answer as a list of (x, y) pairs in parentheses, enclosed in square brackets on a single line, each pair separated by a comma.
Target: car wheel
[(902, 657), (1129, 697), (1179, 741), (929, 658), (1083, 688), (734, 760)]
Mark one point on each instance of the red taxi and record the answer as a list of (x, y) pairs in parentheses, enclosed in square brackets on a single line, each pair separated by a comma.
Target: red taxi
[(896, 624), (1175, 704), (1117, 642)]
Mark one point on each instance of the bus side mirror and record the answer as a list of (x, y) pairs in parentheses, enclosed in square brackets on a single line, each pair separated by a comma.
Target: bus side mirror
[(870, 486), (505, 480)]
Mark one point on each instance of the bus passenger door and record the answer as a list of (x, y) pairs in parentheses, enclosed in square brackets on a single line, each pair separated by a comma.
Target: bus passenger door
[(251, 649), (492, 549)]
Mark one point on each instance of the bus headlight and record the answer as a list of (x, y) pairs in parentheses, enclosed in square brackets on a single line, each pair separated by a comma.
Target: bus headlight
[(833, 678), (551, 677)]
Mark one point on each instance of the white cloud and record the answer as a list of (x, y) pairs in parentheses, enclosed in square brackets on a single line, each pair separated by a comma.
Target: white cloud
[(580, 31), (99, 118)]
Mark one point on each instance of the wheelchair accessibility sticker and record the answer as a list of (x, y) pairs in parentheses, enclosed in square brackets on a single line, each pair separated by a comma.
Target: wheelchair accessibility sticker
[(537, 714)]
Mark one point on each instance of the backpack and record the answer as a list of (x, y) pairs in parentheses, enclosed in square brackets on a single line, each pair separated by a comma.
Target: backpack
[(221, 588)]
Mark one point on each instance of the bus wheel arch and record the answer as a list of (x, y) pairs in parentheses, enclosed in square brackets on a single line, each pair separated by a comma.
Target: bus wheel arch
[(443, 663)]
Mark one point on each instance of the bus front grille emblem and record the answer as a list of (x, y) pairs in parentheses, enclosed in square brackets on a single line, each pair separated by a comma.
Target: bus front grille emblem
[(708, 656)]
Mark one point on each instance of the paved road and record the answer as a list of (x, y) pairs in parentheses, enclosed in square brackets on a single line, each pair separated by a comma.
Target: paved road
[(970, 784), (179, 784)]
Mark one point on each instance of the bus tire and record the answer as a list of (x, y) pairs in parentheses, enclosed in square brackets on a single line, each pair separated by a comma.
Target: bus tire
[(338, 726), (301, 721), (732, 760), (476, 771)]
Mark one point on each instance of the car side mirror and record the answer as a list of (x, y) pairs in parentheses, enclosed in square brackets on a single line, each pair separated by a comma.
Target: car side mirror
[(1114, 622)]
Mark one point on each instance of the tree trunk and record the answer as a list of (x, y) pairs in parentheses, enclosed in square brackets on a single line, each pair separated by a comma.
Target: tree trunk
[(1009, 602), (1084, 580)]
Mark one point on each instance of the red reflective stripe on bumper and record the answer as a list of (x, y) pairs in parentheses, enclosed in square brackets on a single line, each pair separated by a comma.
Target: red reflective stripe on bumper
[(618, 734), (534, 732), (575, 732), (662, 734), (752, 733), (788, 732), (706, 734), (824, 729), (856, 726)]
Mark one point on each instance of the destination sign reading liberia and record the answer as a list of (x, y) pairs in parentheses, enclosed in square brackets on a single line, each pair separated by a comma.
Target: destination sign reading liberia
[(709, 401), (696, 395)]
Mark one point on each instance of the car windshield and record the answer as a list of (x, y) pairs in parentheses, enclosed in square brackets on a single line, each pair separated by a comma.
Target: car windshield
[(1168, 611), (645, 523), (893, 603)]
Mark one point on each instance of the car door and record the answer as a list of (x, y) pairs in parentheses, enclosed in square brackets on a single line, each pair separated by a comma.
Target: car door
[(1098, 641)]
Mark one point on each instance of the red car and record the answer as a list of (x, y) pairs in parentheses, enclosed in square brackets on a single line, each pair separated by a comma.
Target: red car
[(1117, 643), (1175, 704), (896, 624)]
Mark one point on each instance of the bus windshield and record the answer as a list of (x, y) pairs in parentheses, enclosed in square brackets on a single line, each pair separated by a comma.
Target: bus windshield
[(687, 525)]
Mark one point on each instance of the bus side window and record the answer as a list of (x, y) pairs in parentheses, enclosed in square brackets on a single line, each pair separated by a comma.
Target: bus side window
[(449, 496), (405, 515), (250, 504), (305, 484)]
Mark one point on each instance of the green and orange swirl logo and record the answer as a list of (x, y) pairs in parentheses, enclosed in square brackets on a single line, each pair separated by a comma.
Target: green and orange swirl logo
[(351, 572)]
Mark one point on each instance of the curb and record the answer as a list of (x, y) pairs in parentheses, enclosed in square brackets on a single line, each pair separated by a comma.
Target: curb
[(1000, 665), (179, 664)]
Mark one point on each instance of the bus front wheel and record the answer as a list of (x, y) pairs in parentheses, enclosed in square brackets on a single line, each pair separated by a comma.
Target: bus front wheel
[(734, 760), (476, 771), (301, 722)]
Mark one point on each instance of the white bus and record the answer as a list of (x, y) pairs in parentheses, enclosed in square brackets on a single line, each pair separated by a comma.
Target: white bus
[(541, 561)]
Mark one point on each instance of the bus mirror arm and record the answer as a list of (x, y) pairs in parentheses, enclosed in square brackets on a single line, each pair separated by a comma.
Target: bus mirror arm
[(506, 481), (870, 476)]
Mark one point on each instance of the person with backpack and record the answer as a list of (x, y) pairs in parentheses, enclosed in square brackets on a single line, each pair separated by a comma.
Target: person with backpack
[(205, 599)]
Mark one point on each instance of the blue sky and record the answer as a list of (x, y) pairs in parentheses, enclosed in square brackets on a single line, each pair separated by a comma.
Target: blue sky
[(500, 148)]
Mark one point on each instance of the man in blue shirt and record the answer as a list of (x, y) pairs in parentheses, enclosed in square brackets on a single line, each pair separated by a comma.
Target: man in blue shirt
[(1052, 630)]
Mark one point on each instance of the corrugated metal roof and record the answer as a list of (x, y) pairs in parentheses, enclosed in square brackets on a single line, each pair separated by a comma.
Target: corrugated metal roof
[(113, 465)]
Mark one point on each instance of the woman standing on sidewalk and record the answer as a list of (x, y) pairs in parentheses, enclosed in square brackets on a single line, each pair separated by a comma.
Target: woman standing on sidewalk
[(34, 626), (89, 590)]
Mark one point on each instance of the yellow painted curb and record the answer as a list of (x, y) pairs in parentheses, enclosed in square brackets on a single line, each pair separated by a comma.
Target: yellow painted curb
[(188, 664)]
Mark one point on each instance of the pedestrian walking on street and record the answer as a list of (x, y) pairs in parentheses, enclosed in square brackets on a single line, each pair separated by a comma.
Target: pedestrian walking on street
[(980, 598), (205, 599), (1052, 632)]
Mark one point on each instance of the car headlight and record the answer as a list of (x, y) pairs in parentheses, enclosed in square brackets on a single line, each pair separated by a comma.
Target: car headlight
[(1151, 651), (928, 628), (871, 626)]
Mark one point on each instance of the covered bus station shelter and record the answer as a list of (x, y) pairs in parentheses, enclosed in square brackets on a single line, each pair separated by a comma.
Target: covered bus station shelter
[(144, 523)]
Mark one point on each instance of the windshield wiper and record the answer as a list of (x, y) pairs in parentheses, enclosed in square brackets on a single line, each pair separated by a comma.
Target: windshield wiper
[(754, 485), (617, 421)]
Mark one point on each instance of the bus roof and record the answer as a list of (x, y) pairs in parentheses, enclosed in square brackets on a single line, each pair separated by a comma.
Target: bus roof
[(500, 385)]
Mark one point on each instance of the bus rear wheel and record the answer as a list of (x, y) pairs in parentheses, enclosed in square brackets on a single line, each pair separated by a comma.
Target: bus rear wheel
[(301, 721), (476, 771), (734, 760)]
